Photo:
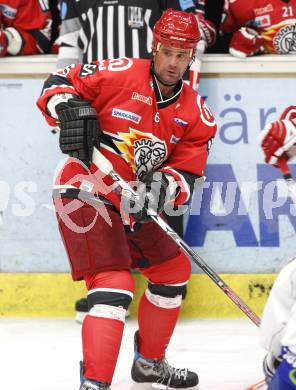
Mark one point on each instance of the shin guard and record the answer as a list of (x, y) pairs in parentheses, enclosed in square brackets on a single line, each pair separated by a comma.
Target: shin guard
[(156, 324), (101, 343), (109, 296), (160, 305)]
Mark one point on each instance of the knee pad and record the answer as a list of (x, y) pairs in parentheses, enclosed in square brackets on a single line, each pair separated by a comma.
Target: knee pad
[(110, 294), (168, 291), (109, 303), (107, 311), (166, 296)]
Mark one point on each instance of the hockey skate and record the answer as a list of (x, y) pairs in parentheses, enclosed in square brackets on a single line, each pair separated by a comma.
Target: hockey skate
[(160, 374), (88, 384), (92, 385)]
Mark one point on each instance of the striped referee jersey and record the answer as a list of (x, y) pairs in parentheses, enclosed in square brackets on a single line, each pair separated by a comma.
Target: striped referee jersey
[(99, 29)]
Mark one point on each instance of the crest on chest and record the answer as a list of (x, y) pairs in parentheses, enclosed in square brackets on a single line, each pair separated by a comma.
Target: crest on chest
[(143, 151)]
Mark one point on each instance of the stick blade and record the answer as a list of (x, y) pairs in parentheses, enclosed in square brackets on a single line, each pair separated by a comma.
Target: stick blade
[(258, 386), (101, 162)]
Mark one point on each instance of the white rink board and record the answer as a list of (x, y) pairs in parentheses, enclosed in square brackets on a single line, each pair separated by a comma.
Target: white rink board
[(259, 240), (29, 153)]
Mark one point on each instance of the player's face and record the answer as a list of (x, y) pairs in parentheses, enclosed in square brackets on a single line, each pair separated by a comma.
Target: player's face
[(171, 63)]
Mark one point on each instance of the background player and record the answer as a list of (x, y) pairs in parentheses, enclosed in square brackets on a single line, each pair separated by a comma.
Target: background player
[(278, 326), (267, 26), (25, 27)]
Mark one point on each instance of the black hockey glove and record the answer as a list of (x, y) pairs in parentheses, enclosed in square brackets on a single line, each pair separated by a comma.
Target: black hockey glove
[(153, 193), (79, 127)]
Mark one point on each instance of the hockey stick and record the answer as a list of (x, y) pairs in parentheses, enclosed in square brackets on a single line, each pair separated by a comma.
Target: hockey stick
[(105, 166), (258, 386)]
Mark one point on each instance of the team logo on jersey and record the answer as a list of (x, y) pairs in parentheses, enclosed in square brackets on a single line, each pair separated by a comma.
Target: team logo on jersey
[(285, 40), (142, 98), (127, 115), (135, 17), (143, 151), (281, 38), (262, 21), (174, 139), (180, 121), (264, 10), (8, 11)]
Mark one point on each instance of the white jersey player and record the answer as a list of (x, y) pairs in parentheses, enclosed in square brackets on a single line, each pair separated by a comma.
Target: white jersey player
[(278, 326), (278, 330)]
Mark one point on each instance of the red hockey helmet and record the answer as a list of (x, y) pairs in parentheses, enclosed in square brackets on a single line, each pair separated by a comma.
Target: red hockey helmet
[(176, 28)]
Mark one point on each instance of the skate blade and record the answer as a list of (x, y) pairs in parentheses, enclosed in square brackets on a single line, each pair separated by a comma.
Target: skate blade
[(258, 386), (159, 386), (141, 386)]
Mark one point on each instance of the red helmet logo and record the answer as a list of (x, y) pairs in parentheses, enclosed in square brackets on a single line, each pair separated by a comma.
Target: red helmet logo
[(176, 28)]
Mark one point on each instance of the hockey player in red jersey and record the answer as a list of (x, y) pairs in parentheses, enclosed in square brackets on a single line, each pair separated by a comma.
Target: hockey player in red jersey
[(25, 27), (260, 26), (157, 132), (128, 33), (278, 138)]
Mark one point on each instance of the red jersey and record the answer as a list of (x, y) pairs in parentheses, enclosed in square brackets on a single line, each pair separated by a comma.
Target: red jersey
[(28, 22), (275, 21), (141, 130)]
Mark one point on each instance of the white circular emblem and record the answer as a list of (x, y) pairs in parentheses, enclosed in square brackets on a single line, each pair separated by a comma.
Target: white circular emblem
[(149, 154), (284, 40)]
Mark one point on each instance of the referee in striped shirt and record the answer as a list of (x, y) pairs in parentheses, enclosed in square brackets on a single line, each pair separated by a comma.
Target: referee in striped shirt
[(100, 29)]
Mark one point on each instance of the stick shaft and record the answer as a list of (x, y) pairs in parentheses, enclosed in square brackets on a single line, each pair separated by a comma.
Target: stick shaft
[(258, 386), (197, 259)]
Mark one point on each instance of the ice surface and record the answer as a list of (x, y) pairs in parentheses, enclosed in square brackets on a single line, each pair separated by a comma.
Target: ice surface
[(44, 354)]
